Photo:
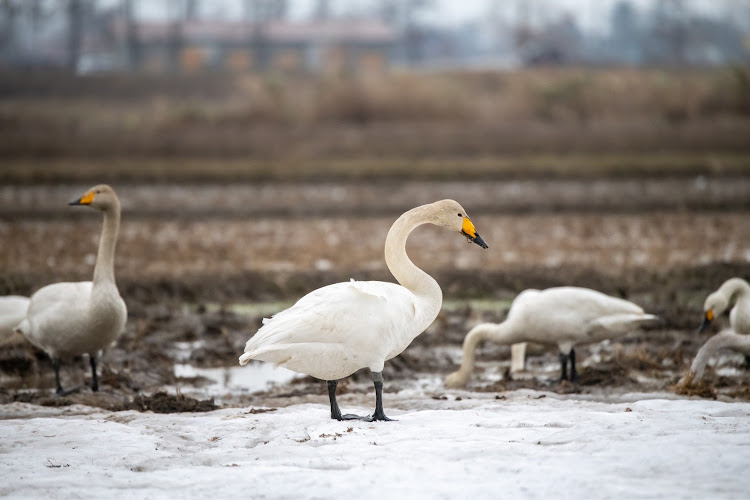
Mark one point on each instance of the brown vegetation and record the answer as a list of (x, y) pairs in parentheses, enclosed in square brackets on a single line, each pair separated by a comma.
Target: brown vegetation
[(541, 121)]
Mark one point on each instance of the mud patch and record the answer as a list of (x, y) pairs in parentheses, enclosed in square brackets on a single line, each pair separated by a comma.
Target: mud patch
[(161, 402)]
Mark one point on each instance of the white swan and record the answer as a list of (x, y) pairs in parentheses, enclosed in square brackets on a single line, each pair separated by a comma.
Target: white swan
[(336, 330), (717, 303), (12, 311), (69, 319), (563, 316), (736, 337)]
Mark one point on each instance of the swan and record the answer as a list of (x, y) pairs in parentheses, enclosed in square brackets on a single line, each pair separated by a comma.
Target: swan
[(718, 301), (726, 338), (12, 311), (336, 330), (736, 337), (70, 319), (565, 316)]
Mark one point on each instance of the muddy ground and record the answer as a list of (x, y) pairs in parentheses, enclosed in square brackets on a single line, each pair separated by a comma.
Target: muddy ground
[(200, 266)]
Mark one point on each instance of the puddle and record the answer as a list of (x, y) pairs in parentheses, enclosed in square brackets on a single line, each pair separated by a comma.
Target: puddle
[(250, 378)]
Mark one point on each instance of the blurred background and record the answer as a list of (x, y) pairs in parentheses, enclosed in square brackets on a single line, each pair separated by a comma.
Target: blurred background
[(262, 148)]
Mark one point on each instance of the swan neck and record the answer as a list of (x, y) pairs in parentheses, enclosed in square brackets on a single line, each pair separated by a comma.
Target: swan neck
[(484, 331), (735, 286), (104, 270), (403, 269)]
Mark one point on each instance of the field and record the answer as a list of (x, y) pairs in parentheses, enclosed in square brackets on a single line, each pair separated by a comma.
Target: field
[(242, 194)]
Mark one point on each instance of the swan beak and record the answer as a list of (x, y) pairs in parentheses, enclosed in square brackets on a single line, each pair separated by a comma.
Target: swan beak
[(470, 232), (706, 321), (86, 199)]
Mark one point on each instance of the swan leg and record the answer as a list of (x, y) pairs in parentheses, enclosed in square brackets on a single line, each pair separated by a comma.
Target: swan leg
[(60, 391), (94, 380), (56, 365), (564, 366), (335, 410), (377, 379)]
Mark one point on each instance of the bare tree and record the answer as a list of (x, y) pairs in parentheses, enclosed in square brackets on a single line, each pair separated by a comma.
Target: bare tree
[(9, 9), (75, 32)]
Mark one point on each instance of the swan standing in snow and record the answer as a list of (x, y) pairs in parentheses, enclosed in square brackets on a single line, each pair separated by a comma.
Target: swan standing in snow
[(12, 311), (564, 316), (736, 337), (70, 319), (336, 330)]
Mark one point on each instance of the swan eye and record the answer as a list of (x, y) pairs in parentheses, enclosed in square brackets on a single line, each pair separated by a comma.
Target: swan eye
[(460, 215)]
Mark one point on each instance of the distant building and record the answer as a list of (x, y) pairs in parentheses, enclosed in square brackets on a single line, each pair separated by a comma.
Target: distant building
[(318, 46)]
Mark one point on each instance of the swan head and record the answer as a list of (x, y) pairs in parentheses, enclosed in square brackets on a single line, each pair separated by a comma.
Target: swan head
[(715, 305), (451, 215), (101, 197)]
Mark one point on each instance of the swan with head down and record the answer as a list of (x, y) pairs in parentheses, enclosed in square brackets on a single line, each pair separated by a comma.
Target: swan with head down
[(336, 330), (736, 337), (561, 316)]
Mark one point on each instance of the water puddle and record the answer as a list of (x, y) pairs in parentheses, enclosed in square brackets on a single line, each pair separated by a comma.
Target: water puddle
[(247, 379)]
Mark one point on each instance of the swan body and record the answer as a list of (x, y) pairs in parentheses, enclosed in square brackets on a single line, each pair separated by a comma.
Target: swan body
[(336, 330), (70, 319), (12, 311), (736, 337), (316, 335), (562, 316)]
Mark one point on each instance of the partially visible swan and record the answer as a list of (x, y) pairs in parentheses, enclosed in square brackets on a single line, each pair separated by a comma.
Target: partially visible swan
[(336, 330), (12, 311), (726, 338), (717, 303), (563, 316), (69, 319), (736, 337)]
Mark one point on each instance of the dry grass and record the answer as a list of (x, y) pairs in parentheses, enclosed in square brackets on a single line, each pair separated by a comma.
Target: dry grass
[(532, 122)]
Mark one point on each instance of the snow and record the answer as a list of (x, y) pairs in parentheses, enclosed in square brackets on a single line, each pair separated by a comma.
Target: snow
[(527, 445)]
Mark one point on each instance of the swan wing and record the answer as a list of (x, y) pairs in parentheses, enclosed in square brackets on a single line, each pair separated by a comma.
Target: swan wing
[(617, 324), (56, 312), (338, 329)]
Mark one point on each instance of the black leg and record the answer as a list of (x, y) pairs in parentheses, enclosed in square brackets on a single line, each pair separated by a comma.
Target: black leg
[(564, 366), (377, 379), (335, 410), (56, 365), (94, 380), (747, 362), (573, 373)]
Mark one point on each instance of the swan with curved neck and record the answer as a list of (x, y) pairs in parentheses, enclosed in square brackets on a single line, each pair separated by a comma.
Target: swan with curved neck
[(736, 337), (336, 330), (562, 316), (70, 319), (718, 301)]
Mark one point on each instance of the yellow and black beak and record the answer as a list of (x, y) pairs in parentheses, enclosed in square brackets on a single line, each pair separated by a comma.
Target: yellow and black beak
[(470, 232), (86, 199), (706, 320)]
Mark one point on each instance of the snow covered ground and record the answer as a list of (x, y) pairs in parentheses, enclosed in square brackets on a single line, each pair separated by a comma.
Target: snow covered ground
[(470, 445)]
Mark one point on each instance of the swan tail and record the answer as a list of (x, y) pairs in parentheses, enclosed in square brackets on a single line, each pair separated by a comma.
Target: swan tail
[(245, 358)]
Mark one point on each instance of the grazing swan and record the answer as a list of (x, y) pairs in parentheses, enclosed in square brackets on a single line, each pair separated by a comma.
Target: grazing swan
[(12, 311), (336, 330), (69, 319), (736, 337), (726, 338), (565, 316)]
